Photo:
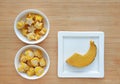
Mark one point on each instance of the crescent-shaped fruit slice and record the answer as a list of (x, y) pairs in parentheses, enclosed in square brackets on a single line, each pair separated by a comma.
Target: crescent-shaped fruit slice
[(78, 60)]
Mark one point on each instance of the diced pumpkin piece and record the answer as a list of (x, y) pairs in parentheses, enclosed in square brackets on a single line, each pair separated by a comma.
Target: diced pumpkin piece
[(38, 18), (43, 31), (39, 71), (35, 61), (38, 25), (42, 62), (23, 67), (24, 31), (29, 21), (31, 71), (37, 36), (31, 36), (20, 24), (29, 52), (38, 53), (23, 58)]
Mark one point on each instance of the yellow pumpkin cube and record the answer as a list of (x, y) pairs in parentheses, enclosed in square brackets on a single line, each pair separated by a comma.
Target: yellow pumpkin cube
[(20, 24), (37, 36), (31, 29), (31, 36), (23, 67), (29, 52), (29, 63), (38, 18), (24, 31), (28, 58), (29, 21), (38, 25), (30, 15), (23, 58), (42, 62), (43, 31), (39, 71), (38, 53), (35, 61), (31, 71)]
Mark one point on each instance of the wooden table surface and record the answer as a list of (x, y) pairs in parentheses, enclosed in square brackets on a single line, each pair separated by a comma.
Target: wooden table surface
[(65, 15)]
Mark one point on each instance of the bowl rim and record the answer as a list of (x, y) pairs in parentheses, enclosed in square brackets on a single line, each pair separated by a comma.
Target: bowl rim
[(25, 12), (24, 48)]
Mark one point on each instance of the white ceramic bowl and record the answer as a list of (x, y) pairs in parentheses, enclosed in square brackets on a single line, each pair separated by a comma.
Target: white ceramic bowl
[(16, 61), (19, 34)]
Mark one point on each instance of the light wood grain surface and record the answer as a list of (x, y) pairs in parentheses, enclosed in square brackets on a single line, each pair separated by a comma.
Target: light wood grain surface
[(65, 15)]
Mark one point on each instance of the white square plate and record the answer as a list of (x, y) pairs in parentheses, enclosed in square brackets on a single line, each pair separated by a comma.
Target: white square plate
[(71, 42)]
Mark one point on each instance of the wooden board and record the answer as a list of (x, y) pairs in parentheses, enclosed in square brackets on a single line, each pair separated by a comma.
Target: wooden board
[(65, 15)]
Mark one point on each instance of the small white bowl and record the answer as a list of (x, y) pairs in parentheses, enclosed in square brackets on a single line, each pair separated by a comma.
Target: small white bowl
[(19, 34), (17, 63)]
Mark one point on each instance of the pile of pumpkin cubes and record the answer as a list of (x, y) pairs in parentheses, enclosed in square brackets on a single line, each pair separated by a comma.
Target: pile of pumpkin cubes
[(32, 62), (32, 26)]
